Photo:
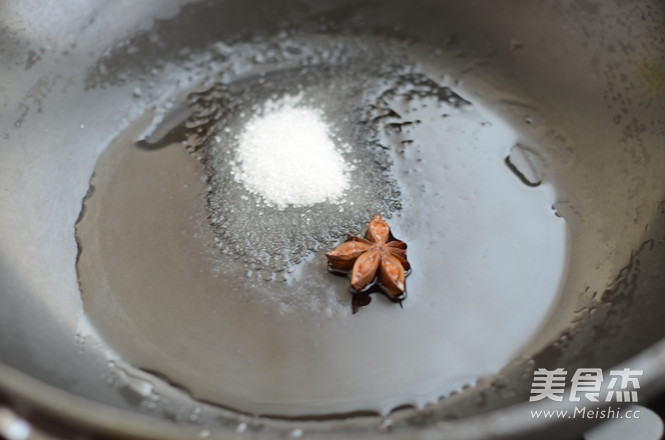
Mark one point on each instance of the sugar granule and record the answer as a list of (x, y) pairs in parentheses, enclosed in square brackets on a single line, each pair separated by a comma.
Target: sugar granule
[(287, 156)]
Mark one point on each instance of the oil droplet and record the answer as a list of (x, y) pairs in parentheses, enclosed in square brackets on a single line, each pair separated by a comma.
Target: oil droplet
[(242, 427), (526, 164), (295, 433)]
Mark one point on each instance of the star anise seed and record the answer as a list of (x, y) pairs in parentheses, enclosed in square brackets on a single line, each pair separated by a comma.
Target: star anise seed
[(378, 260)]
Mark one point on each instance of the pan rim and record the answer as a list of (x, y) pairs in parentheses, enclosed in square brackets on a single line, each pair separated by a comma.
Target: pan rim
[(32, 396)]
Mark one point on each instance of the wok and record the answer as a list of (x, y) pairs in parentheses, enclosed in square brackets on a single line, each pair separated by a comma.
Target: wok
[(75, 74)]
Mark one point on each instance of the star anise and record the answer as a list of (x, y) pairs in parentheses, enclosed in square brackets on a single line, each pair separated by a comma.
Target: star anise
[(376, 262)]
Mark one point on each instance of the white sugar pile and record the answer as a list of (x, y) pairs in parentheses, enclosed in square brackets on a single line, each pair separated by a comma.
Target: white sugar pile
[(286, 155)]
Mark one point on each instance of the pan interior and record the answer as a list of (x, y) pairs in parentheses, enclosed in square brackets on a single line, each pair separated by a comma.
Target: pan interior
[(577, 85), (176, 293)]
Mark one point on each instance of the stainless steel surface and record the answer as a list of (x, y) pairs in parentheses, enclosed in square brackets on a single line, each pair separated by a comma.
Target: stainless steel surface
[(594, 70)]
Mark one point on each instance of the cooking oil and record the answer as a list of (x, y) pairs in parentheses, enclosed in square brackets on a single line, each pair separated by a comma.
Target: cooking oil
[(185, 273)]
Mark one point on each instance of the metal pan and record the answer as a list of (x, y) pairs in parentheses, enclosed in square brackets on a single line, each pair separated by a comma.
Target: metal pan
[(74, 75)]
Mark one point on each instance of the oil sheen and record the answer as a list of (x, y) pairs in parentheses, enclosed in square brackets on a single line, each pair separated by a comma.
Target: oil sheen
[(172, 279)]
